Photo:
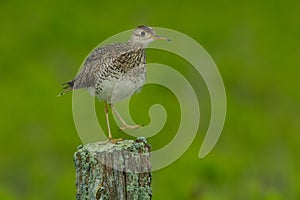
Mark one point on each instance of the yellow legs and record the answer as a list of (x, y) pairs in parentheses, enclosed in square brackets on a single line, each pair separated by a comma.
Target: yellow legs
[(107, 121), (124, 124)]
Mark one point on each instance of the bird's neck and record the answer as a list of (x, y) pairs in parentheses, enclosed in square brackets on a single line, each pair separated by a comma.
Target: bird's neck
[(137, 45)]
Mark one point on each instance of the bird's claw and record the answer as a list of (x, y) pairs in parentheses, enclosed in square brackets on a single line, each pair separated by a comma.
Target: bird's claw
[(114, 141)]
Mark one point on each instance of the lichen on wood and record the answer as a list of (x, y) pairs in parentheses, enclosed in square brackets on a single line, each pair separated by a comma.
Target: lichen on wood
[(107, 171)]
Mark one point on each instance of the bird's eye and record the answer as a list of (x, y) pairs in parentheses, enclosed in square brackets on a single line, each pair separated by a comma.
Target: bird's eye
[(143, 33)]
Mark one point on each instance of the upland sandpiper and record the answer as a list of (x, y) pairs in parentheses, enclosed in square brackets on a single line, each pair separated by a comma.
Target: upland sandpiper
[(116, 71)]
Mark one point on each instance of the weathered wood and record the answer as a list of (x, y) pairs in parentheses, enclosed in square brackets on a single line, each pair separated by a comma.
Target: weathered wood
[(108, 171)]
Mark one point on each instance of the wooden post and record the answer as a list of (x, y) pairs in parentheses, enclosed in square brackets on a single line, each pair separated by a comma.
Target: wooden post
[(110, 171)]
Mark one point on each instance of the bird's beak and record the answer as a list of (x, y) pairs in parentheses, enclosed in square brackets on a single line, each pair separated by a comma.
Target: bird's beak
[(157, 37)]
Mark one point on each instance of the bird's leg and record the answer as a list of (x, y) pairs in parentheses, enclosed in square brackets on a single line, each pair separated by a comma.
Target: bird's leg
[(107, 120), (124, 124), (110, 139)]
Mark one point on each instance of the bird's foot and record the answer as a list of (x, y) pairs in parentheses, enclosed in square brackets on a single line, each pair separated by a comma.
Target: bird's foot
[(130, 127), (114, 141)]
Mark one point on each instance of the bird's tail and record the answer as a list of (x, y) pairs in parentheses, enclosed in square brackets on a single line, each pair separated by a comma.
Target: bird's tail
[(67, 87)]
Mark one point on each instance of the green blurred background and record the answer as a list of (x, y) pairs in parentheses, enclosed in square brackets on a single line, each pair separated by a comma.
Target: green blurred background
[(255, 45)]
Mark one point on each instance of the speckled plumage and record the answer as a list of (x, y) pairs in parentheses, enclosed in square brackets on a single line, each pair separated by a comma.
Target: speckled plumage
[(112, 68), (114, 72)]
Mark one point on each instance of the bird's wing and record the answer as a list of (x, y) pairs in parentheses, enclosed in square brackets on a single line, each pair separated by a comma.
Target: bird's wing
[(94, 64)]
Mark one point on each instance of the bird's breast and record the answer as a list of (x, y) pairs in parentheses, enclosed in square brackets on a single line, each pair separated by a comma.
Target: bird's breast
[(119, 87)]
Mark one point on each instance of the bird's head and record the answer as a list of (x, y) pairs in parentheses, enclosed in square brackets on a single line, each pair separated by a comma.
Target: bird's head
[(143, 35)]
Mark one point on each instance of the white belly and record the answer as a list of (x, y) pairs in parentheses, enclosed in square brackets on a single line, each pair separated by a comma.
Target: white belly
[(118, 89)]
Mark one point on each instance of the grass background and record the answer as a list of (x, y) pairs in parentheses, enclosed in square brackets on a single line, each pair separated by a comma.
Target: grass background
[(255, 45)]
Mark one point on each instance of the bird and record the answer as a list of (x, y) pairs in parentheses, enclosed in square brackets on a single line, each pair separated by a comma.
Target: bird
[(115, 72)]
